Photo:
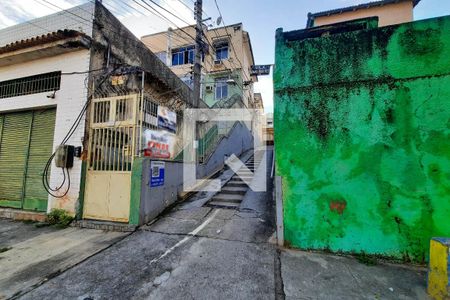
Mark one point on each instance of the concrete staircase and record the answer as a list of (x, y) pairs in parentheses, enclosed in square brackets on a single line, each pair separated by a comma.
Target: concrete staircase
[(234, 190)]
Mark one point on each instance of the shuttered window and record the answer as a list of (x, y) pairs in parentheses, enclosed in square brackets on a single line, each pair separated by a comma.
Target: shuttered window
[(25, 145)]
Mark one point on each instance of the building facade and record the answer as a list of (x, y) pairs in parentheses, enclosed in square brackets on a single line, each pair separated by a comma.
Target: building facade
[(41, 92), (268, 129), (78, 78), (389, 12), (226, 78)]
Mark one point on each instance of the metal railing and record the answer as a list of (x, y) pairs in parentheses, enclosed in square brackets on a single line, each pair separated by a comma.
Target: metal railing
[(48, 82), (207, 144)]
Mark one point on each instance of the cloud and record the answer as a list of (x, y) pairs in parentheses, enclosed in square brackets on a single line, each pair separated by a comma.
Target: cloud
[(142, 20), (14, 11)]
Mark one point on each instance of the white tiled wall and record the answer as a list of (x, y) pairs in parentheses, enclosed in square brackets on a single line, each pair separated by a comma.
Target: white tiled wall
[(77, 18), (68, 102)]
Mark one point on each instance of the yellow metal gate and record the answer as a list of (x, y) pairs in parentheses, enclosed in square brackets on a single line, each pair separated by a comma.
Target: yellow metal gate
[(113, 139)]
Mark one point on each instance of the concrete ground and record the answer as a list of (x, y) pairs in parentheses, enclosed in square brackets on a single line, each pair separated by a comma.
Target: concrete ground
[(32, 255), (309, 275), (198, 252)]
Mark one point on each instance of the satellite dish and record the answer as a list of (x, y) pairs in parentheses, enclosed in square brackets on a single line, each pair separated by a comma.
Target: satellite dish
[(219, 20)]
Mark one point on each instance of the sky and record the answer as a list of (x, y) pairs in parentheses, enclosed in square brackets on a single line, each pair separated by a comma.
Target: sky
[(259, 17)]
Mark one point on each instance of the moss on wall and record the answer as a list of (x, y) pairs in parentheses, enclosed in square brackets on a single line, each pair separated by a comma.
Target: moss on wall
[(362, 139)]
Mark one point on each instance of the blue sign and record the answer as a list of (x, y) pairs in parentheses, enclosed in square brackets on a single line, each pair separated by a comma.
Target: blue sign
[(157, 173)]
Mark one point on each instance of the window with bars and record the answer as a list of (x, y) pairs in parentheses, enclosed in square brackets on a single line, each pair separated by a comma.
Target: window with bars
[(47, 82)]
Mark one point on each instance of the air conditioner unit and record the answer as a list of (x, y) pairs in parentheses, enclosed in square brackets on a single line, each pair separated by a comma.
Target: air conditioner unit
[(209, 88), (217, 62)]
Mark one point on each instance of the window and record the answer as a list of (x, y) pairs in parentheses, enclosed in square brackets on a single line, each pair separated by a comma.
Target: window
[(30, 85), (221, 88), (162, 56), (221, 50), (183, 56)]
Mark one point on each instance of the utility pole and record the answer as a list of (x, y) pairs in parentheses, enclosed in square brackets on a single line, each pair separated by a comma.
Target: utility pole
[(198, 51)]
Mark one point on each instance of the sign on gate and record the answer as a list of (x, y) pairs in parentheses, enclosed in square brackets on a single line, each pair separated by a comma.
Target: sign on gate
[(157, 173)]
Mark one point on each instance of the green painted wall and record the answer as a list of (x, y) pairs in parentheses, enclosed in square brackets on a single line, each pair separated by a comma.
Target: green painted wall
[(362, 138), (136, 191)]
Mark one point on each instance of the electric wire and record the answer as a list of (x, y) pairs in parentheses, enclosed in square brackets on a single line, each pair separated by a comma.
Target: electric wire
[(69, 134), (168, 11), (226, 30), (83, 110), (135, 9)]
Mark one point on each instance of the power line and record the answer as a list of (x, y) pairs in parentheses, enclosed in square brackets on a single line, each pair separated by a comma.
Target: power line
[(185, 5), (72, 15), (167, 18), (135, 9), (89, 21), (139, 43), (160, 15), (161, 7), (226, 30)]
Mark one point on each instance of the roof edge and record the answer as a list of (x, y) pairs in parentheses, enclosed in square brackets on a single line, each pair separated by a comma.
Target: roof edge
[(312, 16)]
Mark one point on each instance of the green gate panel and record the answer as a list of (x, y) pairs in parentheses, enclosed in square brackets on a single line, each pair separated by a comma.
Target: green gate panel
[(13, 156), (40, 149)]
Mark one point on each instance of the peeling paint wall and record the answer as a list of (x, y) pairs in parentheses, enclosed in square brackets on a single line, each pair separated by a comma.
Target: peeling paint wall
[(362, 138)]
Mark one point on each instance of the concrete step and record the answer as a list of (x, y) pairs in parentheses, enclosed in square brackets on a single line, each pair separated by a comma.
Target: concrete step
[(222, 204), (236, 183), (234, 190), (247, 177), (245, 172), (234, 198)]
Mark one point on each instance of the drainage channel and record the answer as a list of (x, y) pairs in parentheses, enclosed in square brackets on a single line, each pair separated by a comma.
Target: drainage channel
[(233, 191)]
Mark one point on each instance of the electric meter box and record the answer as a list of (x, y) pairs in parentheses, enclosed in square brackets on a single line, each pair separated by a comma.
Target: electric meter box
[(64, 156)]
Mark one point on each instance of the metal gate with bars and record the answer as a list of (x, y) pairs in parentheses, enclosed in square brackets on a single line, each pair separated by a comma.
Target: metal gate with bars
[(115, 138)]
